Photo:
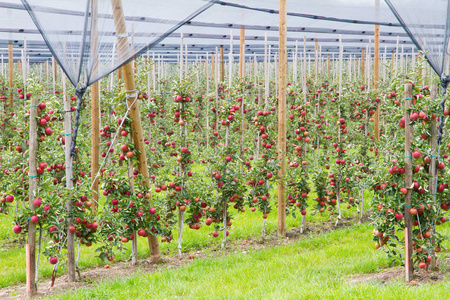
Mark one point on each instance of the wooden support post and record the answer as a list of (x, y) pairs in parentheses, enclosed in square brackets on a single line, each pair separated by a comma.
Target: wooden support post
[(328, 64), (367, 77), (225, 204), (230, 60), (46, 73), (255, 67), (54, 75), (376, 75), (282, 117), (316, 61), (392, 62), (222, 66), (181, 56), (216, 81), (409, 268), (213, 66), (154, 72), (146, 59), (357, 67), (363, 65), (33, 182), (258, 142), (276, 62), (338, 200), (241, 53), (266, 72), (402, 57), (304, 88), (2, 72), (294, 63), (138, 138), (25, 68), (11, 74), (349, 67), (186, 54), (27, 259), (207, 101), (241, 77), (419, 58)]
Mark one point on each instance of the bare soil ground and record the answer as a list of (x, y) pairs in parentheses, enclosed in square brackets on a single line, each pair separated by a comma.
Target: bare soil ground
[(394, 274)]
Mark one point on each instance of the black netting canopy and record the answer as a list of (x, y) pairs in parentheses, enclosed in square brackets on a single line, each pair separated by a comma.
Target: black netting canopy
[(206, 25), (83, 37), (428, 28)]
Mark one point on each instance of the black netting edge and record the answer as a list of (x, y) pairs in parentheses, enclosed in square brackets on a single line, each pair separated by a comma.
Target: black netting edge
[(308, 16), (446, 33), (83, 41), (81, 90), (158, 40), (411, 36), (39, 27)]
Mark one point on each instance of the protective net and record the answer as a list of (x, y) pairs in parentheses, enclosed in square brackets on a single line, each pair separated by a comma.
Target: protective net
[(92, 38), (146, 21), (428, 28), (88, 39)]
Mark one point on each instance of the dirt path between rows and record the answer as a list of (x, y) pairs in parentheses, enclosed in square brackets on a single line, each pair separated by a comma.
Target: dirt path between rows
[(388, 275)]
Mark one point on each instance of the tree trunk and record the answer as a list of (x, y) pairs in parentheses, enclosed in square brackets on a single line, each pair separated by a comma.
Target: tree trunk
[(282, 119)]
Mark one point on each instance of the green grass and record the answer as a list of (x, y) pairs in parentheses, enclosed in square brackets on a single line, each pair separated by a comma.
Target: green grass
[(312, 268), (6, 232), (245, 225)]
